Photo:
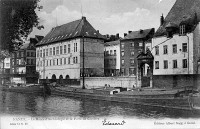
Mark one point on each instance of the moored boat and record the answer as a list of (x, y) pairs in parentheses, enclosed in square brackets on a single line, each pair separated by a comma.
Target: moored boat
[(178, 99)]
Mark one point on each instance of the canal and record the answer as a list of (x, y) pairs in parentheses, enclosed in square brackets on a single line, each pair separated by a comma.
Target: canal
[(32, 105)]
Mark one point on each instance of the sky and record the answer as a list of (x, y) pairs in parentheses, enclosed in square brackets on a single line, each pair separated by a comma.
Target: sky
[(107, 16)]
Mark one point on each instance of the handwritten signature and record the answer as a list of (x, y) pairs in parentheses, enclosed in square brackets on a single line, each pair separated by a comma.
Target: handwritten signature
[(105, 122)]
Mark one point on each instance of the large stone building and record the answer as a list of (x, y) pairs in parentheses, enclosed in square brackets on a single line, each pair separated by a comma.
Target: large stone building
[(130, 47), (176, 46), (64, 49), (23, 63)]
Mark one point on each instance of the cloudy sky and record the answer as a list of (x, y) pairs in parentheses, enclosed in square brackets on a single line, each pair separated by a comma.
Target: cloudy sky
[(107, 16)]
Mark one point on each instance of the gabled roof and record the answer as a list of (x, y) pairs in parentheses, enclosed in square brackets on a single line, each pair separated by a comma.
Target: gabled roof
[(139, 34), (112, 43), (187, 11), (74, 29)]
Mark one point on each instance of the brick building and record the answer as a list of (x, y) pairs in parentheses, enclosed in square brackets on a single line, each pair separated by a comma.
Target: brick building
[(176, 46), (133, 43)]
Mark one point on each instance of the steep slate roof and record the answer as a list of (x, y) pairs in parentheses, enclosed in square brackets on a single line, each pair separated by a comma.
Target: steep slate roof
[(112, 43), (71, 30), (139, 34), (187, 11)]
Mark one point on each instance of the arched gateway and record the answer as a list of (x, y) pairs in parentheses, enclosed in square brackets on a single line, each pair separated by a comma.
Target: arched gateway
[(145, 58)]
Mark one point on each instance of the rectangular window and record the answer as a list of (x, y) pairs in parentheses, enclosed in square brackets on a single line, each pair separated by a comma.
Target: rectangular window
[(61, 50), (69, 60), (132, 52), (27, 54), (156, 50), (122, 45), (65, 49), (132, 44), (140, 44), (65, 61), (38, 53), (184, 47), (74, 60), (50, 51), (182, 30), (47, 63), (131, 71), (57, 50), (53, 62), (174, 48), (76, 47), (50, 62), (132, 61), (122, 61), (114, 63), (57, 61), (175, 64), (122, 53), (111, 52), (165, 64), (68, 48), (47, 52), (54, 51), (156, 64), (184, 63), (139, 51), (43, 52), (115, 52), (60, 61), (165, 49)]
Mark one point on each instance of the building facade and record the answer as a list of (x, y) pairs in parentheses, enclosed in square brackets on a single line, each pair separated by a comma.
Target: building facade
[(68, 49), (112, 58), (23, 63), (176, 46), (130, 47)]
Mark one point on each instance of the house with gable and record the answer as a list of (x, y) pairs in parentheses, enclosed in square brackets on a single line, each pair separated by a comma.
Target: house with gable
[(176, 46)]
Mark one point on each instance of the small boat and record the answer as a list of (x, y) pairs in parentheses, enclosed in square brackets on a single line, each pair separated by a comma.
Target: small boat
[(184, 99)]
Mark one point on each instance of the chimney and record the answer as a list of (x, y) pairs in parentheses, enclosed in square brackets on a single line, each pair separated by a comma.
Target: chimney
[(117, 36), (161, 20), (84, 18), (141, 31), (97, 31), (129, 32), (125, 34)]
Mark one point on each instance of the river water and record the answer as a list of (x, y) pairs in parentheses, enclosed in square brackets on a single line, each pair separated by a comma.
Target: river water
[(33, 105)]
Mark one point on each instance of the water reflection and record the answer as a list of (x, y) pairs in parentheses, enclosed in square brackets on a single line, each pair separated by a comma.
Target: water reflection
[(31, 105)]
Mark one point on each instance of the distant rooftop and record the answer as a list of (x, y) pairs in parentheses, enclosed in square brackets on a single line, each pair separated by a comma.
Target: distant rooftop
[(71, 30), (112, 43), (139, 34)]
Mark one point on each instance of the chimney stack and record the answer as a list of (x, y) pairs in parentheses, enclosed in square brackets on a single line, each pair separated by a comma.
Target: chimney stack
[(98, 31), (129, 32), (161, 20), (84, 18), (125, 34)]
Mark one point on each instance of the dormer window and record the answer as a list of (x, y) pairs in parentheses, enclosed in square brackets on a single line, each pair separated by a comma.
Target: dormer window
[(182, 30)]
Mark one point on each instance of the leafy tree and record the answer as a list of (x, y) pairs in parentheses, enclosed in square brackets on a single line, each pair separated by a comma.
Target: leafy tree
[(18, 17)]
